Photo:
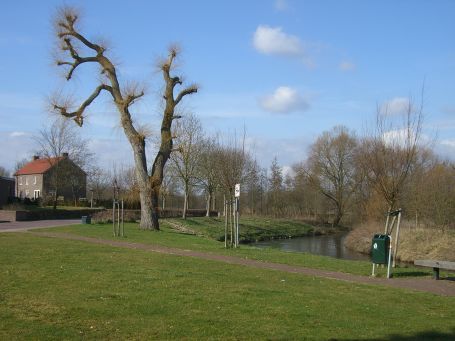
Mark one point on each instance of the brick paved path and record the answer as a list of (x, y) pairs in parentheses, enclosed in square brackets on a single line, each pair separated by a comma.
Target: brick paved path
[(18, 226)]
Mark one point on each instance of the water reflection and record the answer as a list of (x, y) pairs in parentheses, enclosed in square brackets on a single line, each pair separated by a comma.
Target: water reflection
[(330, 245)]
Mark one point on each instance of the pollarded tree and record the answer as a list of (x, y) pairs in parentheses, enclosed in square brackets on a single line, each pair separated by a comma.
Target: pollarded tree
[(79, 50)]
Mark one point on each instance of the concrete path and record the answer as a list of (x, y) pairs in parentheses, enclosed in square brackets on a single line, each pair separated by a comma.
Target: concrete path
[(441, 287), (18, 226)]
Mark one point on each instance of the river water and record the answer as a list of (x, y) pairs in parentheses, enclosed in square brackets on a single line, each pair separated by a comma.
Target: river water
[(326, 245)]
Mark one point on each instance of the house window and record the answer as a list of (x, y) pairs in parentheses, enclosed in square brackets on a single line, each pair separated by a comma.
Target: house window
[(34, 180), (20, 180), (26, 180), (36, 193)]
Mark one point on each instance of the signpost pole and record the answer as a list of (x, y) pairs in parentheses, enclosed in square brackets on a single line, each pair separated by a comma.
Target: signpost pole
[(236, 213)]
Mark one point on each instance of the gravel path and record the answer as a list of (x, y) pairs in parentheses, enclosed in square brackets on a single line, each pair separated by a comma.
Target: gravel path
[(441, 287), (18, 226)]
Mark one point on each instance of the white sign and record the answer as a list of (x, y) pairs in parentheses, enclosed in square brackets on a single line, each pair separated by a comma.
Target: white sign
[(237, 191)]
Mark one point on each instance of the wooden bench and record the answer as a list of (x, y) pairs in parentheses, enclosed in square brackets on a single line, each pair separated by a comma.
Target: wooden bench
[(436, 265)]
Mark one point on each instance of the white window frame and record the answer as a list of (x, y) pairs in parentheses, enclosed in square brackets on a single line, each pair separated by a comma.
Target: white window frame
[(20, 180), (26, 180), (36, 194), (34, 180)]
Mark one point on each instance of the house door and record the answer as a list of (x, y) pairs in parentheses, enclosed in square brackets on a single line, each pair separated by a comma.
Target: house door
[(36, 194)]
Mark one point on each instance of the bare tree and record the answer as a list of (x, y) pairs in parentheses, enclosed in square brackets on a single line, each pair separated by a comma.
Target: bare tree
[(388, 155), (207, 171), (331, 168), (3, 172), (79, 50), (98, 182), (189, 136), (276, 187)]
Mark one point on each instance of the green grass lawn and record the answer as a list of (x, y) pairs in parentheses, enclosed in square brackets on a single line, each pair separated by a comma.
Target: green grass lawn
[(171, 238), (59, 289)]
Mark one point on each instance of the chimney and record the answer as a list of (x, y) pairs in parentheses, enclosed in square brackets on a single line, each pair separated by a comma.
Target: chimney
[(65, 155), (35, 157)]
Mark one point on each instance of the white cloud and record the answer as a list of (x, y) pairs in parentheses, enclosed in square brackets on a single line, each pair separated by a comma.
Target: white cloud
[(404, 137), (396, 106), (281, 5), (284, 100), (289, 150), (448, 143), (273, 41), (17, 134), (346, 65)]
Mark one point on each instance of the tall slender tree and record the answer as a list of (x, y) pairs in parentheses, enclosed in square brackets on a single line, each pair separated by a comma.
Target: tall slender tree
[(189, 135)]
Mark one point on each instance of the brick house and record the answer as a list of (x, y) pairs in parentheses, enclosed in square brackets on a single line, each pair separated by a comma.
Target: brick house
[(6, 189), (49, 177)]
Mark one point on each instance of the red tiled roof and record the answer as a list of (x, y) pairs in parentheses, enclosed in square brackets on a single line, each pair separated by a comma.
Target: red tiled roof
[(39, 166)]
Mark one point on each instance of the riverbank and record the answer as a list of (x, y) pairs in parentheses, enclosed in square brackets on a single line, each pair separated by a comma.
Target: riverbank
[(251, 229), (414, 243)]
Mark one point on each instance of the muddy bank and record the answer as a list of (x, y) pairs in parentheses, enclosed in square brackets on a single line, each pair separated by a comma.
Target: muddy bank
[(414, 243)]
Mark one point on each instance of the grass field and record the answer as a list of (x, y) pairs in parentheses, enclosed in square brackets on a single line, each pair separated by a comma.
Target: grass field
[(58, 289)]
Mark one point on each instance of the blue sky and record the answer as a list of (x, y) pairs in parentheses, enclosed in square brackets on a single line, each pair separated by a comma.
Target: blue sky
[(286, 70)]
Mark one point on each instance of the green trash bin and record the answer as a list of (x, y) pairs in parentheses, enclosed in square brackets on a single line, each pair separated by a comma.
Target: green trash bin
[(380, 249), (86, 219)]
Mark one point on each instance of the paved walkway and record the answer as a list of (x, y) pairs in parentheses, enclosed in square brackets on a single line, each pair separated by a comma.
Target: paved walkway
[(441, 287), (18, 226)]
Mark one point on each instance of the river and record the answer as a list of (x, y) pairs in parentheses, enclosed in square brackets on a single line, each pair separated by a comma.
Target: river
[(327, 245)]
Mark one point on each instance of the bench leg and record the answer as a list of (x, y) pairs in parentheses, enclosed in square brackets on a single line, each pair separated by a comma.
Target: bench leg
[(436, 273)]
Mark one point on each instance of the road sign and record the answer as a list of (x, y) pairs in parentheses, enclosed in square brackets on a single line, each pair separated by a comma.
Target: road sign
[(237, 191)]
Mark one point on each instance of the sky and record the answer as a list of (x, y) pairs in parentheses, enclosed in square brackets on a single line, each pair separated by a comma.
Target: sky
[(283, 70)]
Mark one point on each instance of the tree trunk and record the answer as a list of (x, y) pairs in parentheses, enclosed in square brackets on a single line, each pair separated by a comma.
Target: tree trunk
[(185, 203), (155, 210), (146, 209), (209, 199), (55, 200)]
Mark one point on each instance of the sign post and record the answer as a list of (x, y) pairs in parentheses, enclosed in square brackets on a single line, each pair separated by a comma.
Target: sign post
[(236, 213)]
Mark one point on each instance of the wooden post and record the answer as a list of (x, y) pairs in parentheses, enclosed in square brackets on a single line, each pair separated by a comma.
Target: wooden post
[(386, 230), (113, 217), (231, 225), (397, 235), (225, 223), (390, 259), (123, 222)]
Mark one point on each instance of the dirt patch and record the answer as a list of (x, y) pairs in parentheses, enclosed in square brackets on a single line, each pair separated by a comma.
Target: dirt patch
[(441, 287)]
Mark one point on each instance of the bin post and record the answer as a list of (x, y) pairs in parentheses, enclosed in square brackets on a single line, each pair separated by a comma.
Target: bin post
[(389, 263)]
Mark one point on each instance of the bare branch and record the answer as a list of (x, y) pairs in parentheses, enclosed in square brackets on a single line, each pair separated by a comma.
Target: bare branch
[(78, 114), (188, 91)]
